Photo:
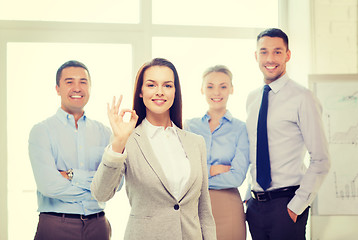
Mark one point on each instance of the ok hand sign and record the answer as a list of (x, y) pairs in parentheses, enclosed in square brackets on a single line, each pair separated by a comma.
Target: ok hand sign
[(121, 129)]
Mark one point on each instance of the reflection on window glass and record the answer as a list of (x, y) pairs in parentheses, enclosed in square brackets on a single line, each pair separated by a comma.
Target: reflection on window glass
[(229, 13), (105, 11), (31, 98)]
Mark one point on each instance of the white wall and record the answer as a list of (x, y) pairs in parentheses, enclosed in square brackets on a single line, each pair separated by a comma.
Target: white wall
[(334, 27), (3, 148), (323, 36)]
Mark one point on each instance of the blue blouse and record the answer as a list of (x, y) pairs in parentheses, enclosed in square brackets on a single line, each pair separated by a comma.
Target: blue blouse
[(228, 144)]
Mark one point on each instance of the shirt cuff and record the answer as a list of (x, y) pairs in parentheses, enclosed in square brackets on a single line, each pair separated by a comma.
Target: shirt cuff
[(296, 205), (82, 178), (112, 158), (116, 153)]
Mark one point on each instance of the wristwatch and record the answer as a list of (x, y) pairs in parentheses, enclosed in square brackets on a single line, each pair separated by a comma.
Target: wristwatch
[(70, 174)]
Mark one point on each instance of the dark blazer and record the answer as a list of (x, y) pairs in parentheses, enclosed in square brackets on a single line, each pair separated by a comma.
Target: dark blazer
[(155, 212)]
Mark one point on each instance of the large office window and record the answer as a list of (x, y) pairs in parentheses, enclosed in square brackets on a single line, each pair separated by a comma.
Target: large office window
[(104, 11), (225, 13), (211, 33)]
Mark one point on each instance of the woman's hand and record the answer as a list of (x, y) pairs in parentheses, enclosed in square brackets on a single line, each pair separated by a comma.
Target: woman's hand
[(217, 169), (121, 129)]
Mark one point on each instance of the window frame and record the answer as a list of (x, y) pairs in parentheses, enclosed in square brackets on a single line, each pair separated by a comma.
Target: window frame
[(139, 35)]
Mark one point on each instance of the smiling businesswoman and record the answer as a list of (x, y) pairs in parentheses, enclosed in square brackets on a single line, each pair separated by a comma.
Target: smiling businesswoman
[(227, 147), (164, 166)]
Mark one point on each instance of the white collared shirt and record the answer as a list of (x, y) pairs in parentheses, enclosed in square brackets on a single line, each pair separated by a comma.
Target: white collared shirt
[(169, 151), (293, 125)]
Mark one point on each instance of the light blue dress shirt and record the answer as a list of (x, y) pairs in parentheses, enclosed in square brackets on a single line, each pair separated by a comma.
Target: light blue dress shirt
[(228, 144), (55, 144)]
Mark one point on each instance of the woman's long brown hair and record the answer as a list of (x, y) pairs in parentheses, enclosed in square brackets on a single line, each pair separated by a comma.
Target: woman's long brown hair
[(138, 104)]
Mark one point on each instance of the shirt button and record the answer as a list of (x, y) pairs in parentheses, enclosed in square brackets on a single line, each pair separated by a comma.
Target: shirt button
[(176, 206)]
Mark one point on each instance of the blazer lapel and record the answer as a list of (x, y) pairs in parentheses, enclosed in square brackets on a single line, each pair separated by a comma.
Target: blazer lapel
[(149, 156), (189, 150)]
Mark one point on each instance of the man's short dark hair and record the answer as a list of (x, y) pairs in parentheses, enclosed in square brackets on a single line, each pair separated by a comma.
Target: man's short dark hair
[(274, 32), (71, 63)]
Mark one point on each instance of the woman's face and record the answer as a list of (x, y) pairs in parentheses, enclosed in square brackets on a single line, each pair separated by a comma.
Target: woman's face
[(158, 90), (217, 87)]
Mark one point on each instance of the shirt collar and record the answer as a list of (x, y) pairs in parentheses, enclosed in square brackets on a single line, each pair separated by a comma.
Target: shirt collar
[(226, 116), (65, 116), (152, 130), (279, 83)]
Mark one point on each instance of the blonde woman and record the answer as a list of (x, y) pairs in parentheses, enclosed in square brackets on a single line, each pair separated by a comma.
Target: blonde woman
[(227, 153)]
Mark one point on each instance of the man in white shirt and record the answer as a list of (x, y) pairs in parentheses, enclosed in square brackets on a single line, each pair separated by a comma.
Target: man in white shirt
[(279, 207)]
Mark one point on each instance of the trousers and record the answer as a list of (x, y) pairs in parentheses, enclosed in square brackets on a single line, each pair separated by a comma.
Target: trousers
[(60, 228), (270, 220)]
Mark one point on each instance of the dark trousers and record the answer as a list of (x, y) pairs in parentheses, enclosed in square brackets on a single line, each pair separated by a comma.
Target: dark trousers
[(270, 220), (63, 228)]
